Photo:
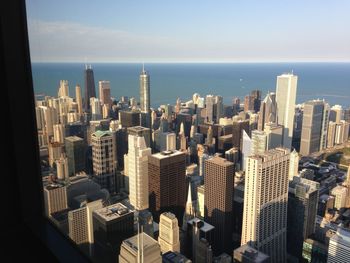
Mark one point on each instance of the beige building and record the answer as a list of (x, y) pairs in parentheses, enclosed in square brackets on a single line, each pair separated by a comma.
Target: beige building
[(55, 198), (340, 193), (259, 140), (265, 203), (168, 233), (149, 252), (78, 99), (294, 165), (104, 88)]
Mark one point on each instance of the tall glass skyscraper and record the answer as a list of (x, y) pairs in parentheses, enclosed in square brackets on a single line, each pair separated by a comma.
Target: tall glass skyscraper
[(144, 91), (89, 86)]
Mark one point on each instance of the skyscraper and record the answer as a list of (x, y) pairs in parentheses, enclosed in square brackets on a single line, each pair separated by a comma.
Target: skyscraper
[(75, 150), (302, 212), (145, 91), (268, 111), (55, 198), (138, 171), (293, 165), (89, 87), (339, 246), (209, 105), (218, 193), (265, 203), (104, 157), (63, 90), (312, 127), (167, 183), (286, 90), (104, 88), (259, 140), (79, 99), (168, 233)]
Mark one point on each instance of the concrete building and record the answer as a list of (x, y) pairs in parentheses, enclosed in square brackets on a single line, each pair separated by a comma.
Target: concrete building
[(168, 233), (79, 100), (104, 88), (259, 142), (55, 198), (62, 168), (130, 251), (274, 134), (340, 193), (200, 201), (294, 165), (59, 133), (167, 183), (104, 158), (247, 254), (339, 246), (141, 131), (336, 113), (286, 90), (138, 171), (218, 194), (265, 203), (331, 134), (63, 90)]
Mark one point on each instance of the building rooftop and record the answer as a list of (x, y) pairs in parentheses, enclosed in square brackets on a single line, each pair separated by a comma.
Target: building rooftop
[(138, 128), (73, 138), (342, 236), (206, 227), (271, 154), (53, 186), (174, 257), (220, 161), (250, 253), (146, 240), (166, 154), (113, 211), (100, 134)]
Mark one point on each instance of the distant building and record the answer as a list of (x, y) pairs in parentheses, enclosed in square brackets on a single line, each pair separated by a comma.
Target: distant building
[(104, 88), (268, 111), (168, 233), (129, 118), (141, 131), (286, 89), (89, 87), (218, 191), (130, 251), (247, 254)]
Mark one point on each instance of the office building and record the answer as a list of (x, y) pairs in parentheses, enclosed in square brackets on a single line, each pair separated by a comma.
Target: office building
[(247, 254), (55, 198), (209, 106), (104, 88), (237, 132), (294, 165), (200, 201), (259, 142), (265, 203), (268, 111), (302, 212), (331, 134), (112, 225), (95, 109), (314, 251), (104, 159), (75, 151), (168, 233), (138, 171), (141, 131), (218, 194), (55, 152), (339, 246), (199, 236), (90, 91), (340, 193), (62, 168), (246, 149), (324, 128), (167, 183), (312, 127), (336, 113), (59, 133), (286, 90), (129, 118), (130, 251)]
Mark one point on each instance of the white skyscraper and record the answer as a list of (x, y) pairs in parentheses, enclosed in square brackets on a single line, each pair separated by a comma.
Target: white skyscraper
[(63, 90), (138, 171), (294, 164), (144, 91), (286, 90), (265, 203), (168, 233)]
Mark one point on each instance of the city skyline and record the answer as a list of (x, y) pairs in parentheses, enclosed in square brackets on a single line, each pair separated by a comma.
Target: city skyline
[(190, 32)]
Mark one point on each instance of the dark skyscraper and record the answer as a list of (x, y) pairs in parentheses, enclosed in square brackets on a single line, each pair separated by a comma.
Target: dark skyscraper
[(89, 86), (167, 183), (218, 192)]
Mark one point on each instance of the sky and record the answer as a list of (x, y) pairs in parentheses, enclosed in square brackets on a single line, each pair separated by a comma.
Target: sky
[(189, 31)]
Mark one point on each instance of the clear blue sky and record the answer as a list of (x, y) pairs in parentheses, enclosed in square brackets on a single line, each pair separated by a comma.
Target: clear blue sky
[(207, 30)]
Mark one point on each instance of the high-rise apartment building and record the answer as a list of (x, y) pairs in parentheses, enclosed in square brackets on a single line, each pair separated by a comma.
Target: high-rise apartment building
[(312, 127), (168, 233), (104, 158), (218, 193), (104, 88), (265, 203), (286, 90), (302, 212), (75, 151), (138, 171), (90, 91), (339, 246), (336, 113), (167, 183)]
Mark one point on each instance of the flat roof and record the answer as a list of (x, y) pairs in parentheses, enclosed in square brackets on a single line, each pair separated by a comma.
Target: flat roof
[(166, 154), (74, 138), (101, 133), (113, 211), (147, 241), (251, 253), (220, 161), (206, 226)]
